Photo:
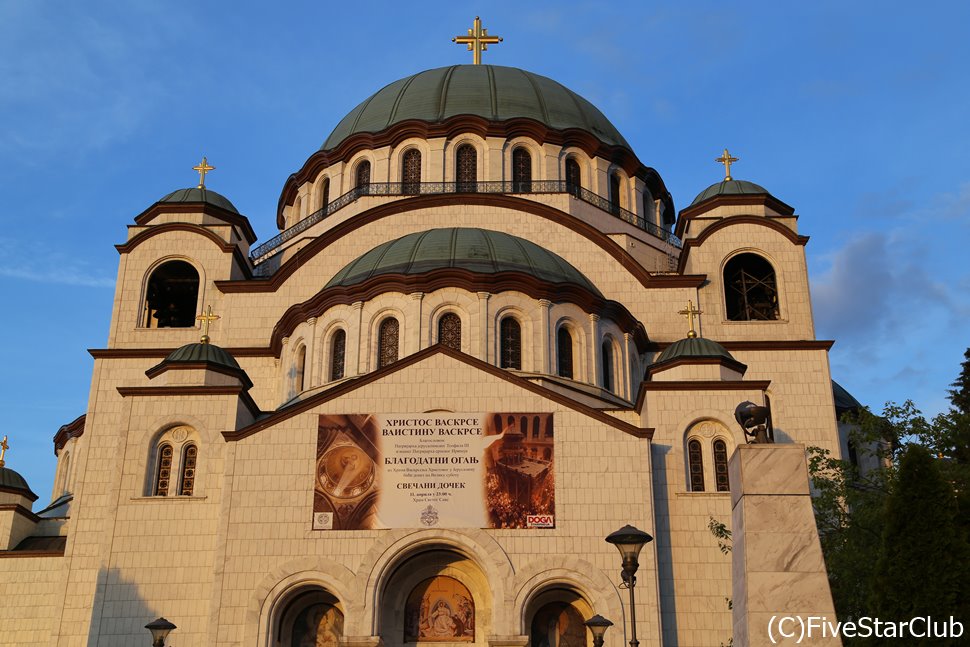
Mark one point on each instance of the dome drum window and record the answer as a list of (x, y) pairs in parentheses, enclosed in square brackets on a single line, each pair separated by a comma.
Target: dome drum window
[(411, 172), (387, 342), (449, 331), (466, 169), (521, 171), (510, 349), (750, 289)]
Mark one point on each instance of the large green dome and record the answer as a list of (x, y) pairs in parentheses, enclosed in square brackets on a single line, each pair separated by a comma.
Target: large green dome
[(477, 250), (492, 92)]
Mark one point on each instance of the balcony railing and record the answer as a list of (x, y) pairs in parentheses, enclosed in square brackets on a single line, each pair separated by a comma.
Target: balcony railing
[(407, 189)]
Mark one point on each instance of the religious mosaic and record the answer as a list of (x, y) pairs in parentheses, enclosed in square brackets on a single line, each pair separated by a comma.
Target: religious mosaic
[(319, 625), (439, 609)]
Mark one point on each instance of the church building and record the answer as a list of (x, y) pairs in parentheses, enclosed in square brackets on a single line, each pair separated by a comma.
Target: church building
[(483, 340)]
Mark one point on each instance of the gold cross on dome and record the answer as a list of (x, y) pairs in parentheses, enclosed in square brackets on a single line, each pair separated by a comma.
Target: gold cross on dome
[(477, 40), (203, 168), (726, 160), (3, 450), (689, 313), (207, 318)]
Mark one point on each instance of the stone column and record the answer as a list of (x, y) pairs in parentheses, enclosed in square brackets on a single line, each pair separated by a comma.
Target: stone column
[(545, 337), (483, 326), (352, 360), (595, 352), (412, 343), (777, 558), (310, 376)]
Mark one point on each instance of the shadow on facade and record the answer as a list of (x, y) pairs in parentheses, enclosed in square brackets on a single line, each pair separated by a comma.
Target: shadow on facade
[(119, 613), (665, 564)]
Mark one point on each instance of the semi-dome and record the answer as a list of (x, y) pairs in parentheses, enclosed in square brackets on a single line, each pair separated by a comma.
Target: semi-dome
[(730, 187), (493, 92), (200, 195), (12, 481), (477, 250), (693, 347), (197, 352)]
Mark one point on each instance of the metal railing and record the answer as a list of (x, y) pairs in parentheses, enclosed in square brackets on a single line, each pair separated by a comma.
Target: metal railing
[(408, 189)]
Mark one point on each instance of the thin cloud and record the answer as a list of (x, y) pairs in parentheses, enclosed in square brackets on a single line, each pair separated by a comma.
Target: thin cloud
[(40, 264)]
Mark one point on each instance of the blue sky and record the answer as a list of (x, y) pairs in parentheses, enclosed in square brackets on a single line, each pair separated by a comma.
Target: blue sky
[(855, 113)]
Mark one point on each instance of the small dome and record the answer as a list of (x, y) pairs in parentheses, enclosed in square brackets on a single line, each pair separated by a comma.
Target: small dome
[(191, 353), (693, 347), (477, 250), (843, 399), (493, 92), (207, 196), (11, 481), (730, 187)]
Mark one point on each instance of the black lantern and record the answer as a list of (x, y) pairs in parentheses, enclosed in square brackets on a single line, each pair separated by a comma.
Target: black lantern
[(160, 629)]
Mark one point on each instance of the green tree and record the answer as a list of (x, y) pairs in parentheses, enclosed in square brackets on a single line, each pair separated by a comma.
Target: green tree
[(922, 568)]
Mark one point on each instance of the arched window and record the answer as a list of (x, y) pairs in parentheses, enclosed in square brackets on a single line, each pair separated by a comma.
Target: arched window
[(171, 296), (573, 178), (695, 462), (338, 346), (190, 454), (721, 482), (466, 169), (614, 193), (607, 365), (564, 353), (173, 463), (511, 344), (411, 172), (449, 331), (387, 342), (521, 171), (299, 369), (363, 177), (325, 194), (163, 471), (750, 289)]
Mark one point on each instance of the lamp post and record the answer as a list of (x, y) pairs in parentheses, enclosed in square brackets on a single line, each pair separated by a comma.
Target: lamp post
[(160, 629), (630, 541), (597, 626)]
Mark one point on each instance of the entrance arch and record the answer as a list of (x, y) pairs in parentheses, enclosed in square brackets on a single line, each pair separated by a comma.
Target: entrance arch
[(308, 616)]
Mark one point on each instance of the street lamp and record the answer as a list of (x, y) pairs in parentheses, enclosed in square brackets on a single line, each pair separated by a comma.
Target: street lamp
[(597, 626), (630, 541), (160, 629)]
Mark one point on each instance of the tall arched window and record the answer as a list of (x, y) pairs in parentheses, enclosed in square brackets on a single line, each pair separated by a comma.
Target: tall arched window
[(564, 353), (466, 169), (449, 331), (387, 342), (325, 194), (171, 296), (510, 355), (521, 171), (614, 193), (411, 172), (695, 463), (607, 365), (190, 454), (721, 466), (338, 347), (299, 369), (573, 178), (750, 289), (163, 471), (363, 177)]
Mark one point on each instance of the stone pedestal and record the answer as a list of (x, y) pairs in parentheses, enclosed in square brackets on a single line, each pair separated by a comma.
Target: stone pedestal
[(777, 558)]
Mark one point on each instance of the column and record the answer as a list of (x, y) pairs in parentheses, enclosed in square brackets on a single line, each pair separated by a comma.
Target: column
[(413, 326), (545, 337), (595, 351), (483, 321), (310, 369), (355, 337)]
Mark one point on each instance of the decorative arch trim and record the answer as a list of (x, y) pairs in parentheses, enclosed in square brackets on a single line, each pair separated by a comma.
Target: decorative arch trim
[(774, 225), (146, 234)]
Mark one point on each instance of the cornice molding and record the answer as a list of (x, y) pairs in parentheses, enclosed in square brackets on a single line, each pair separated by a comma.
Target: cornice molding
[(73, 429), (206, 208)]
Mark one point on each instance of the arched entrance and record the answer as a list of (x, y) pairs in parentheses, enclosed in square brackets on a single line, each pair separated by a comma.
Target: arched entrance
[(555, 619), (307, 617), (435, 595)]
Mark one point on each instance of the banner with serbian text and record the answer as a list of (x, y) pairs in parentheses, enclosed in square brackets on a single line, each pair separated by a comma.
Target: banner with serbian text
[(434, 470)]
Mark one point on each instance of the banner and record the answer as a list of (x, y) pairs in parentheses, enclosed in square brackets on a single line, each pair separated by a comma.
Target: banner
[(434, 470)]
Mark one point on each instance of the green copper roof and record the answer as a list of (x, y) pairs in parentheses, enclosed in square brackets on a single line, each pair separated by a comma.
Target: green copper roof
[(477, 250), (843, 399), (693, 347), (729, 187), (200, 195), (197, 352), (493, 92), (11, 480)]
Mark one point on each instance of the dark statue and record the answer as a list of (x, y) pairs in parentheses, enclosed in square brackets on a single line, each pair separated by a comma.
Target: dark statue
[(755, 421)]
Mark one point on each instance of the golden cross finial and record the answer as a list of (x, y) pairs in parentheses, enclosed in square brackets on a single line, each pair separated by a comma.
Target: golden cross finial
[(477, 40), (726, 160), (206, 319), (3, 450), (203, 168), (689, 313)]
